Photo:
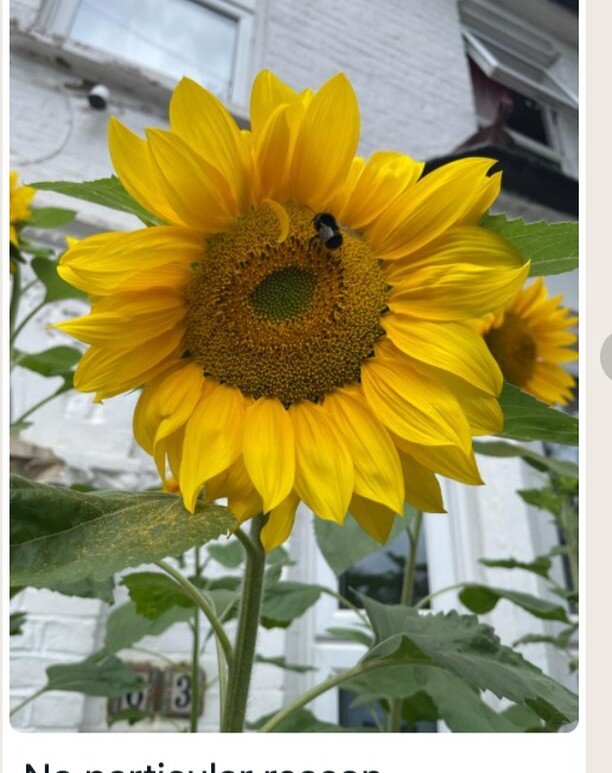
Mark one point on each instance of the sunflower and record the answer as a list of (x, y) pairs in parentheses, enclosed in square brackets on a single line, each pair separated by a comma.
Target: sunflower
[(279, 365), (20, 199), (530, 339)]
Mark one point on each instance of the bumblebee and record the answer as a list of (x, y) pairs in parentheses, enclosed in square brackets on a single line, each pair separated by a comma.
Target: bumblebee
[(328, 230)]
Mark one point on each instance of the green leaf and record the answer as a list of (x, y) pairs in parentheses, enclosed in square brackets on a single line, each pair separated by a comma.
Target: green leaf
[(62, 535), (125, 627), (451, 699), (483, 598), (540, 565), (539, 461), (551, 247), (471, 651), (51, 217), (302, 721), (88, 588), (108, 677), (57, 361), (543, 499), (526, 720), (108, 192), (562, 641), (16, 623), (352, 634), (526, 418), (154, 593), (282, 663), (230, 555), (343, 546), (285, 601), (19, 426), (57, 289)]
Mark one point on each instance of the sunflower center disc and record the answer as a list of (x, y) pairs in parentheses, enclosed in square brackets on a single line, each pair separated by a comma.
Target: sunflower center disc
[(514, 348), (293, 320)]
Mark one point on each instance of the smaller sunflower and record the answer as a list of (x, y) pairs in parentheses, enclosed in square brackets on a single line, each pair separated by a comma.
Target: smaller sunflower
[(530, 339), (21, 198)]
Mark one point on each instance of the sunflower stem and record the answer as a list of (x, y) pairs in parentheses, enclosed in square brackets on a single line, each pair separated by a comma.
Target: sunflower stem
[(239, 681), (195, 657), (414, 535)]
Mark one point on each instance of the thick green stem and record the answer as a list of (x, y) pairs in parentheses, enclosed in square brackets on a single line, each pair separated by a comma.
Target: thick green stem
[(395, 714), (195, 658), (239, 681), (200, 601), (328, 684)]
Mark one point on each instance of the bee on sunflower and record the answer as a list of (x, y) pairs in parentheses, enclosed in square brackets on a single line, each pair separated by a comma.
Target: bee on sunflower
[(530, 338), (282, 363)]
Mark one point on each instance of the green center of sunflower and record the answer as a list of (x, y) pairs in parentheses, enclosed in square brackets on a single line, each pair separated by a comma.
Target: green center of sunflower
[(284, 294), (292, 320), (513, 346)]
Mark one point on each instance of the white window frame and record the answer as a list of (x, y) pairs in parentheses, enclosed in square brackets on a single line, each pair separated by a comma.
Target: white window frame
[(57, 16)]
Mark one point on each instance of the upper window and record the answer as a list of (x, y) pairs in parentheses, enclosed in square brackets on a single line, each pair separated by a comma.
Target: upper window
[(207, 41), (522, 81)]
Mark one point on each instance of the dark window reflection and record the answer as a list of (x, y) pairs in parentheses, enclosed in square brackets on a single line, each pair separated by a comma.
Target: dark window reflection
[(374, 717), (380, 575)]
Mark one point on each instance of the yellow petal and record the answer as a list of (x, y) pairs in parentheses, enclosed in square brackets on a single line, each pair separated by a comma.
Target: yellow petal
[(134, 166), (128, 319), (466, 244), (453, 346), (411, 404), (326, 143), (103, 263), (282, 217), (271, 157), (213, 438), (267, 94), (199, 118), (166, 403), (448, 196), (269, 450), (103, 369), (279, 524), (374, 518), (196, 189), (482, 411), (324, 470), (385, 176), (422, 487), (457, 293), (378, 474), (450, 461)]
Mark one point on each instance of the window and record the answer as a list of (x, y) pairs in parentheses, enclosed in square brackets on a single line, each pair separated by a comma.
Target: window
[(380, 575), (523, 82), (208, 41)]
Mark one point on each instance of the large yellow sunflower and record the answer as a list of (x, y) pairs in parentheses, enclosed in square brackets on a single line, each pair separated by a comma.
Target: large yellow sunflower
[(278, 366), (530, 339), (20, 199)]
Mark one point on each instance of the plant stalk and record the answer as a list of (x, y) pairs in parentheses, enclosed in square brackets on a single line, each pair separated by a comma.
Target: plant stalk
[(239, 681), (195, 657), (200, 601), (414, 535), (328, 684)]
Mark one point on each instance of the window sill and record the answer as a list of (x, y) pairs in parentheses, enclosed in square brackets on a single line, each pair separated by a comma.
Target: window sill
[(95, 66)]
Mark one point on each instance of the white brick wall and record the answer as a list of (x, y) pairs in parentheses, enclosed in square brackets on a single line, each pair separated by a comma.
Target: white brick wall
[(406, 61)]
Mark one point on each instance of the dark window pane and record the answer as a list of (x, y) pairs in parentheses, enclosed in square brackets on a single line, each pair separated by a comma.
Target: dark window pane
[(527, 117), (380, 575), (374, 716)]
